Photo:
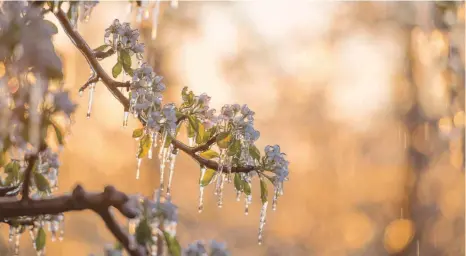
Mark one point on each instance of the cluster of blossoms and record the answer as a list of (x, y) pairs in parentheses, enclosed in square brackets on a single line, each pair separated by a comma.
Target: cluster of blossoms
[(122, 37), (275, 161), (198, 248)]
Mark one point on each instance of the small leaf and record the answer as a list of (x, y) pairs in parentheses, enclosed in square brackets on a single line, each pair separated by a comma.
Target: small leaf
[(200, 133), (40, 239), (238, 182), (42, 183), (143, 232), (116, 70), (209, 154), (190, 130), (12, 167), (128, 70), (193, 123), (246, 188), (138, 132), (254, 152), (223, 139), (58, 133), (101, 48), (234, 148), (125, 59), (173, 245), (207, 177), (144, 146), (264, 191)]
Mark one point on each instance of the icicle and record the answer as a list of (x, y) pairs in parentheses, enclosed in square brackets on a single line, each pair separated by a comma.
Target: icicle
[(220, 190), (262, 222), (125, 118), (275, 199), (149, 154), (11, 233), (171, 171), (61, 234), (164, 138), (248, 198), (91, 97), (139, 15), (155, 17), (238, 195), (220, 177), (33, 237), (17, 237), (132, 242), (80, 92), (74, 16), (54, 230), (139, 166), (201, 190), (174, 4)]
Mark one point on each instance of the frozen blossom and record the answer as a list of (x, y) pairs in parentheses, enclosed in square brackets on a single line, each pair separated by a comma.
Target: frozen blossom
[(198, 248), (122, 37), (62, 102)]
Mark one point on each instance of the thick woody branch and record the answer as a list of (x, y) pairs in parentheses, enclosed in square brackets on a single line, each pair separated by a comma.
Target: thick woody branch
[(79, 200)]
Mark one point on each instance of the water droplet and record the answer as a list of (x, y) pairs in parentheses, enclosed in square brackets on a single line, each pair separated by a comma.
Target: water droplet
[(221, 179), (139, 166), (262, 222), (17, 237), (238, 195), (80, 92), (91, 97)]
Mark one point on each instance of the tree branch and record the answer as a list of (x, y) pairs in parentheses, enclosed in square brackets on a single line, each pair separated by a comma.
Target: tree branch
[(102, 55), (9, 191), (113, 85), (77, 201)]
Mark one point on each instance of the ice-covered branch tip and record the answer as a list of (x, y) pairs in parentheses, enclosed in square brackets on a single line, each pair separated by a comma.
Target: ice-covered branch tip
[(77, 201)]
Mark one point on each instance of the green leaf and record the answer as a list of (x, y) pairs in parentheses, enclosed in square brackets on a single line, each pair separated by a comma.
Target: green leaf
[(190, 130), (42, 183), (254, 152), (200, 133), (209, 154), (234, 148), (207, 177), (116, 70), (223, 139), (143, 232), (12, 167), (246, 188), (118, 246), (102, 48), (144, 145), (138, 132), (173, 245), (125, 59), (128, 70), (238, 182), (40, 239), (58, 133), (193, 123), (264, 191)]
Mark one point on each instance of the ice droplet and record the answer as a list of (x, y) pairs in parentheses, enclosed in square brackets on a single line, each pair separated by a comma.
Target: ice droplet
[(220, 190), (17, 237), (55, 6), (91, 97), (262, 222)]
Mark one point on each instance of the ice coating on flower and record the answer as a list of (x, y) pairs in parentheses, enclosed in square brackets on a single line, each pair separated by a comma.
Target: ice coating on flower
[(276, 161), (199, 248), (62, 102)]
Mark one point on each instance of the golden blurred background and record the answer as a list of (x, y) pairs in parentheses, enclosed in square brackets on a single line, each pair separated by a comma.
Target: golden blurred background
[(366, 99)]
